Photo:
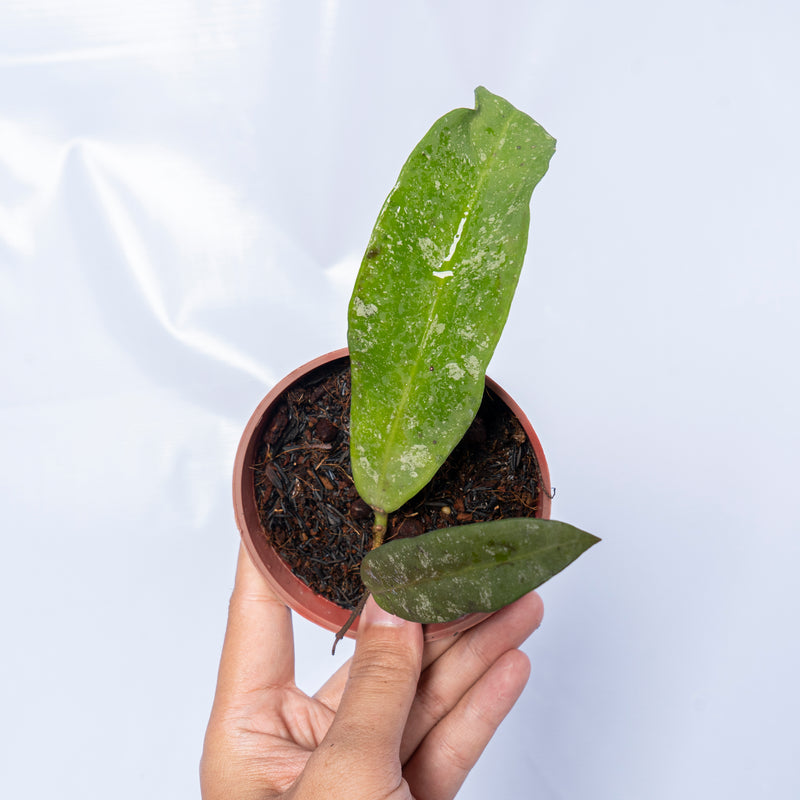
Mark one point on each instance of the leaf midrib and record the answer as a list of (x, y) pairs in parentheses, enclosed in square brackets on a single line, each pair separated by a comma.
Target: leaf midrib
[(471, 568)]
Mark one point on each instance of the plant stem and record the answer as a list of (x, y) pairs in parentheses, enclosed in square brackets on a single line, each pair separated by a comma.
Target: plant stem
[(350, 620), (379, 528)]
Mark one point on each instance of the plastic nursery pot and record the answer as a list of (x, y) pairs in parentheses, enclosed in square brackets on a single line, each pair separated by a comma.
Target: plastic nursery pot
[(291, 589)]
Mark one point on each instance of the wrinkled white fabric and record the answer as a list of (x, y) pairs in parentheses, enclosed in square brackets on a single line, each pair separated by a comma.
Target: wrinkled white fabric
[(186, 189)]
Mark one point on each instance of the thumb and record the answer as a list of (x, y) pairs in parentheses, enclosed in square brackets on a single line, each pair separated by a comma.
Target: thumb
[(383, 680)]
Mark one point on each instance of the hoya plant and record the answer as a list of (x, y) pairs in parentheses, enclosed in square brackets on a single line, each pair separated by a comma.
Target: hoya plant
[(430, 301)]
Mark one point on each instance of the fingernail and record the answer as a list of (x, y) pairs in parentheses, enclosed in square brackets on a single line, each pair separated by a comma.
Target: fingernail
[(373, 614)]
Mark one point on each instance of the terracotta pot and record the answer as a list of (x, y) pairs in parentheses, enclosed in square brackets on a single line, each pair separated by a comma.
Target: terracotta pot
[(293, 591)]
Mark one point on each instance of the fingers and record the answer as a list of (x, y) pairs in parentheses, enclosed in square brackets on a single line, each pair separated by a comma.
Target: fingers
[(331, 692), (258, 652), (382, 681), (447, 754), (516, 623), (365, 735), (450, 676)]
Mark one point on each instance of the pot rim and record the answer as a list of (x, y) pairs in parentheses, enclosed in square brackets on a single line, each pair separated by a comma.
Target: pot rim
[(291, 589)]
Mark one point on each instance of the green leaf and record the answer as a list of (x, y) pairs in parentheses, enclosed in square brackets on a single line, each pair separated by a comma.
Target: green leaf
[(442, 575), (434, 290)]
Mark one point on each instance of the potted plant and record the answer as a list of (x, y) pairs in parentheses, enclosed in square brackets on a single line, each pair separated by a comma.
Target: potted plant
[(410, 407)]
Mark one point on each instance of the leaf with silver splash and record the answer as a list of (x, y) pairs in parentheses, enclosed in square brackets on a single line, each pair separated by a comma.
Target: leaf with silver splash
[(434, 290), (443, 575)]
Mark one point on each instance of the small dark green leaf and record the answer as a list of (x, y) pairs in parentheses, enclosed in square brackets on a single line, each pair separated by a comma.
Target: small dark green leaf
[(442, 575), (434, 291)]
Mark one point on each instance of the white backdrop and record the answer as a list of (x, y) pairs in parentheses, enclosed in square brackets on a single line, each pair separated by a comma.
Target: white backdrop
[(186, 189)]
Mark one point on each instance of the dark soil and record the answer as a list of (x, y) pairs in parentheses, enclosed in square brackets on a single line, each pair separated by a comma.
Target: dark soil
[(312, 513)]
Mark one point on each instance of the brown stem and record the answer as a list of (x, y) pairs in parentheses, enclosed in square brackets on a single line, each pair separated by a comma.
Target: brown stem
[(350, 620)]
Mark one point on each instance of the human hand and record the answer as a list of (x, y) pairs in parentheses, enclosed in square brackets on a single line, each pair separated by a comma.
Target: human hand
[(398, 721)]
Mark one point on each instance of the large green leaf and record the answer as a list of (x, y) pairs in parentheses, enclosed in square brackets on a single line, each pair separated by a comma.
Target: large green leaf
[(442, 575), (434, 290)]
